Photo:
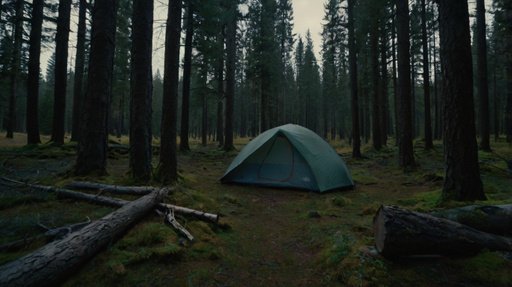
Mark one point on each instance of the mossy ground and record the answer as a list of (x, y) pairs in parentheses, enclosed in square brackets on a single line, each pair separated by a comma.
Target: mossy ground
[(267, 237)]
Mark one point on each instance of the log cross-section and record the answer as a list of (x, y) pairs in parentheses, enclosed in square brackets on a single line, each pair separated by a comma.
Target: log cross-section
[(50, 264)]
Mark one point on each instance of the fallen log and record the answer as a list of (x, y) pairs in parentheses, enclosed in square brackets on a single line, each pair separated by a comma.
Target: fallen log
[(135, 190), (49, 235), (50, 264), (399, 232), (496, 219), (171, 220), (116, 202)]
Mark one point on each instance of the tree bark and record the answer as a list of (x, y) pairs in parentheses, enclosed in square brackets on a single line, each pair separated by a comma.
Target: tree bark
[(15, 67), (36, 24), (462, 173), (167, 168), (507, 5), (385, 118), (231, 28), (61, 71), (483, 89), (405, 147), (399, 232), (426, 78), (187, 70), (78, 93), (352, 62), (92, 149), (141, 90), (51, 264)]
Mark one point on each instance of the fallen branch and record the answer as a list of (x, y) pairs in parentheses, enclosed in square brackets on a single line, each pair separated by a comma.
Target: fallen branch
[(171, 220), (116, 202), (50, 264), (136, 190), (399, 232)]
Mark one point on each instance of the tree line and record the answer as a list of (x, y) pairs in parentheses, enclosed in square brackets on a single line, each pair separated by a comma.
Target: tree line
[(387, 68)]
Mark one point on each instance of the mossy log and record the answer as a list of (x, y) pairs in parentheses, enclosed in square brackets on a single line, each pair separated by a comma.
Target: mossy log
[(496, 219), (50, 264), (399, 232)]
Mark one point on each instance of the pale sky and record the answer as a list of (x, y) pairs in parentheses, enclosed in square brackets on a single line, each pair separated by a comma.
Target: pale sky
[(308, 14)]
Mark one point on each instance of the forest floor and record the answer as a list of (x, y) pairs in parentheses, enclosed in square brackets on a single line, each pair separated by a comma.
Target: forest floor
[(267, 237)]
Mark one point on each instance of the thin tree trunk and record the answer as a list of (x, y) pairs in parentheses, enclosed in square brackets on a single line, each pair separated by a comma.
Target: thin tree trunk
[(385, 122), (356, 139), (167, 169), (78, 93), (141, 90), (61, 71), (395, 84), (508, 70), (376, 103), (204, 114), (15, 67), (483, 89), (426, 78), (220, 88), (33, 73), (230, 73), (405, 148), (462, 177), (187, 70), (92, 149)]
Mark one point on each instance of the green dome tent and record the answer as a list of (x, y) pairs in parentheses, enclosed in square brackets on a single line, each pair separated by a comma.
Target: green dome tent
[(289, 156)]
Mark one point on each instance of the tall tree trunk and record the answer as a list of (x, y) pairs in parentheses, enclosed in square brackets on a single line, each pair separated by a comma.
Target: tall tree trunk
[(15, 67), (79, 71), (508, 69), (92, 148), (141, 90), (385, 119), (220, 88), (187, 70), (426, 77), (395, 82), (483, 89), (496, 101), (61, 71), (352, 62), (230, 73), (405, 148), (376, 103), (33, 72), (462, 177), (204, 114), (167, 169)]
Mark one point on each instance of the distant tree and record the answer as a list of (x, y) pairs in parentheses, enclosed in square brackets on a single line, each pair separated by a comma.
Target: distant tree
[(141, 90), (405, 147), (33, 73), (231, 31), (426, 77), (187, 71), (462, 178), (352, 62), (15, 66), (167, 167), (483, 90), (79, 71), (374, 55), (61, 71), (92, 148)]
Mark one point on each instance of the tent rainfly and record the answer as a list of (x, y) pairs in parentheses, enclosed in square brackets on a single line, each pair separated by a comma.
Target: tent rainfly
[(289, 156)]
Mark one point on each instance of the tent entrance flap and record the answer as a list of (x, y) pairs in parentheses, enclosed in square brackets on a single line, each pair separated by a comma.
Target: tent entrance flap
[(278, 162)]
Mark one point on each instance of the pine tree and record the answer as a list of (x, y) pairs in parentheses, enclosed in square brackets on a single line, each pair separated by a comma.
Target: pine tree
[(187, 70), (141, 90), (462, 180), (92, 148), (167, 167), (15, 66), (356, 140), (61, 72), (231, 30), (79, 71), (33, 73)]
